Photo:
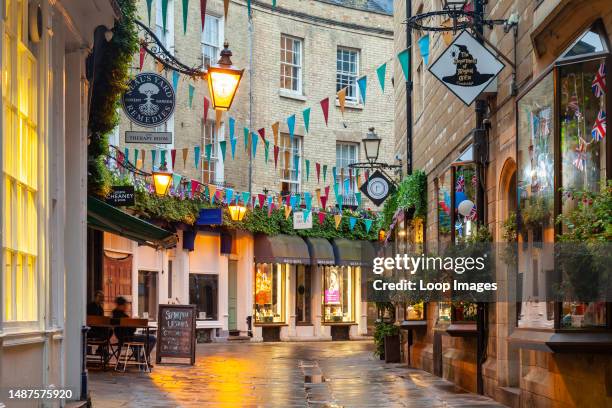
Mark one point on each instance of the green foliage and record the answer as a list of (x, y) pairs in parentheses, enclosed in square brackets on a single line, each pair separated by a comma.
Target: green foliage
[(169, 208), (537, 211), (591, 220), (388, 211), (412, 193), (110, 81), (382, 330), (510, 228)]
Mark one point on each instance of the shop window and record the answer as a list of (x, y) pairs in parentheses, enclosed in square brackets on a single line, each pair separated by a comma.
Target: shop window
[(147, 294), (338, 294), (444, 212), (444, 312), (302, 294), (270, 293), (465, 189), (414, 311), (576, 134), (21, 202), (204, 293)]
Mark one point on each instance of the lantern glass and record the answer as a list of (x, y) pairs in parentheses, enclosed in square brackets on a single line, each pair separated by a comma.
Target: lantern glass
[(454, 5), (222, 85), (161, 182), (237, 212), (371, 145), (382, 235)]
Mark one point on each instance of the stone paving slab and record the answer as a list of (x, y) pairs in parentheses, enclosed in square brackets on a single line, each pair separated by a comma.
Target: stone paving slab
[(312, 374)]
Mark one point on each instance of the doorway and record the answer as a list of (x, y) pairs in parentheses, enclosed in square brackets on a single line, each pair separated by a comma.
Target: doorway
[(117, 281), (232, 297)]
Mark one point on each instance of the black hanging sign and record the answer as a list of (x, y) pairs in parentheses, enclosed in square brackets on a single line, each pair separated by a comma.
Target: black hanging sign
[(176, 332), (121, 196), (149, 100), (466, 67), (377, 188)]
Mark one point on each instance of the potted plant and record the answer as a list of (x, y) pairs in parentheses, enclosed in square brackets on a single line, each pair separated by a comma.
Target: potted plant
[(536, 215), (383, 331)]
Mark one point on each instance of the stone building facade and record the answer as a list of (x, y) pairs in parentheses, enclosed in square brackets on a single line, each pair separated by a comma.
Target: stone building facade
[(314, 35), (526, 365)]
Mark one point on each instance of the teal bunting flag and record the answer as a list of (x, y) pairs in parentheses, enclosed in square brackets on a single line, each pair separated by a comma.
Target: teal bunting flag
[(307, 163), (273, 4), (126, 155), (254, 143), (347, 185), (368, 225), (246, 138), (308, 200), (164, 13), (233, 146), (222, 148), (185, 10), (246, 197), (291, 126), (232, 127), (229, 194), (153, 154), (362, 83), (175, 79), (424, 48), (381, 72), (136, 157), (293, 201), (358, 198), (212, 196), (306, 116), (162, 160), (352, 222), (196, 155), (336, 190), (149, 4), (191, 91), (249, 8), (334, 173), (176, 181), (296, 162), (339, 201), (208, 151), (324, 172), (404, 59), (266, 150), (306, 214)]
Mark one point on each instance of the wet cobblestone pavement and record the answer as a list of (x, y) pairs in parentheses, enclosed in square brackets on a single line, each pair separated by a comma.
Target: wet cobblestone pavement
[(325, 374)]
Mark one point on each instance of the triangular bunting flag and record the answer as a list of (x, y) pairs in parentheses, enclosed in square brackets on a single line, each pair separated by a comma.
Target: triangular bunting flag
[(225, 7), (424, 48), (321, 217), (143, 154), (164, 4), (222, 148), (149, 4), (326, 191), (206, 107), (232, 127), (196, 155), (185, 153), (287, 158), (306, 116), (296, 163), (261, 198), (307, 163), (352, 222), (191, 91), (136, 157), (324, 201), (342, 99), (306, 214), (291, 126), (194, 187), (266, 150), (404, 59), (324, 172), (160, 67), (368, 225), (325, 108), (246, 196), (212, 192), (358, 198), (176, 181), (175, 80), (185, 11), (233, 141), (254, 143), (203, 13), (287, 211), (337, 220), (218, 115), (362, 83), (276, 151), (381, 73), (262, 134), (162, 160), (245, 132), (318, 169), (308, 200), (275, 132), (173, 157), (229, 195), (208, 151)]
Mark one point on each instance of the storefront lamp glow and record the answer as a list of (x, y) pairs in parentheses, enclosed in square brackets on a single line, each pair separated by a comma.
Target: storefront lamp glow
[(161, 180), (371, 145), (237, 212), (223, 80), (382, 235)]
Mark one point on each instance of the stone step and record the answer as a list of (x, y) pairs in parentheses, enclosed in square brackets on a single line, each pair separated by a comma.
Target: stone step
[(239, 338)]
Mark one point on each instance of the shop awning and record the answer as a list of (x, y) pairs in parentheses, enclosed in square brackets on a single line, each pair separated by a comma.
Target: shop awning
[(104, 217), (321, 251), (349, 252), (368, 252), (281, 249)]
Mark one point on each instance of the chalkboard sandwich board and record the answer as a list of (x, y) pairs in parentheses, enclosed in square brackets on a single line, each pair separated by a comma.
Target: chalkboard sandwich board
[(176, 332)]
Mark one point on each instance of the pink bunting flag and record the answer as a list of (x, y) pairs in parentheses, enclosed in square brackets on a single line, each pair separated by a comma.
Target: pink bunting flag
[(203, 12), (325, 108), (276, 151), (270, 208), (261, 198), (142, 56), (318, 166), (327, 191), (262, 134), (195, 185), (288, 199), (324, 201), (206, 107), (321, 217), (173, 156)]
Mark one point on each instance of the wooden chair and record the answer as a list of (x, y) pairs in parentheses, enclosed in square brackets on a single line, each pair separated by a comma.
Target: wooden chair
[(101, 343), (130, 349)]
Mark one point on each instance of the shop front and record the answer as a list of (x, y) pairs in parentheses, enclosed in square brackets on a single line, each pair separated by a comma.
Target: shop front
[(279, 260)]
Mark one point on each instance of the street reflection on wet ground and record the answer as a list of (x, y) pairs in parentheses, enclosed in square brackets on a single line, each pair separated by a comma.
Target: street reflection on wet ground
[(313, 374)]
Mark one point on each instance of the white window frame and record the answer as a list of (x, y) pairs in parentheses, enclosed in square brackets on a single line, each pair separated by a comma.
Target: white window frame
[(219, 40), (295, 177), (299, 65), (346, 153), (166, 37), (352, 94), (210, 135)]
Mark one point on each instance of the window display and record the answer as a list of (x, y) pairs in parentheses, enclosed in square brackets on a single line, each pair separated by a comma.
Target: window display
[(302, 294), (444, 312), (444, 214), (270, 293), (465, 188), (415, 311), (338, 293)]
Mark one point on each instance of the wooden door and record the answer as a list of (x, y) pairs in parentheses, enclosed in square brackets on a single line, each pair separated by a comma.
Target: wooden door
[(117, 279), (232, 295)]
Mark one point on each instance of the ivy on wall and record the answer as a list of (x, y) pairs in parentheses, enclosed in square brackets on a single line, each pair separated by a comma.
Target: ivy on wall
[(112, 61), (410, 194)]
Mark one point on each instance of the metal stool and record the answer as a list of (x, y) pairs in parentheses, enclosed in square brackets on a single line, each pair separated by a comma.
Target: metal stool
[(132, 349)]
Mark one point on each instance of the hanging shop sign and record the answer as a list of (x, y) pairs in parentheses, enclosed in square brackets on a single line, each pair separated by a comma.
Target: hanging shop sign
[(466, 67), (176, 332), (302, 220), (149, 100), (121, 196), (148, 137), (377, 188)]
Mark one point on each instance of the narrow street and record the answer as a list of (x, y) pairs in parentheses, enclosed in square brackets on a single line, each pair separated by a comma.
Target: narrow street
[(315, 374)]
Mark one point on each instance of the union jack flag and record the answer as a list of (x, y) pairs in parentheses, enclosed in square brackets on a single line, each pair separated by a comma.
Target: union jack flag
[(474, 181), (580, 160), (599, 82), (473, 215), (460, 184), (599, 128)]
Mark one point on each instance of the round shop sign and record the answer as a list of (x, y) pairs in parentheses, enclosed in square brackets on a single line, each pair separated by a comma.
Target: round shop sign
[(377, 188), (149, 100)]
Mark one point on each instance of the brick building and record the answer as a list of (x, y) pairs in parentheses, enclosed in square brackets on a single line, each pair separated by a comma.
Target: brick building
[(538, 353), (302, 53)]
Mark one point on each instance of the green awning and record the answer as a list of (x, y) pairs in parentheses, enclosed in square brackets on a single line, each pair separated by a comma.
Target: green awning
[(289, 249), (321, 251), (104, 217), (349, 252)]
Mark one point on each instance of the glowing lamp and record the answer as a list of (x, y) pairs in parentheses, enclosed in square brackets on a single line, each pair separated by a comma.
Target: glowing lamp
[(382, 235), (161, 180), (237, 212), (223, 80)]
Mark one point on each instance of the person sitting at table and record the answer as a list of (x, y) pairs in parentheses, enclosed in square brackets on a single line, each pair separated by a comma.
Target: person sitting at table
[(95, 308), (129, 333)]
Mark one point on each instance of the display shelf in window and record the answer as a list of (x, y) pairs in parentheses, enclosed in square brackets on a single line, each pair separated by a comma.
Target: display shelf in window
[(339, 294), (269, 307)]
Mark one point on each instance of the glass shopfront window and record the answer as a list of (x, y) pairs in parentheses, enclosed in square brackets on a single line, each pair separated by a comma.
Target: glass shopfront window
[(465, 188), (204, 293), (339, 294), (444, 212), (302, 294), (415, 311), (570, 126), (269, 304)]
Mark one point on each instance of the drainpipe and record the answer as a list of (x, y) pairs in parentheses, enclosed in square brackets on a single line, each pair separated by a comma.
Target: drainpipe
[(409, 92)]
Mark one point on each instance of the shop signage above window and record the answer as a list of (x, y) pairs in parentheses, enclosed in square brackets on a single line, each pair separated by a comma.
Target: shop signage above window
[(377, 188), (148, 137), (121, 196), (466, 67), (301, 222), (149, 100)]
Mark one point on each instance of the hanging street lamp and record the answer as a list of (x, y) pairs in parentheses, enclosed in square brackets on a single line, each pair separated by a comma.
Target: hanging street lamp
[(161, 180), (371, 145), (223, 80), (237, 212)]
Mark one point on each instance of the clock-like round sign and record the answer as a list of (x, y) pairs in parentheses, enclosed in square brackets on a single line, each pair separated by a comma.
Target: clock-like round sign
[(378, 188), (149, 100)]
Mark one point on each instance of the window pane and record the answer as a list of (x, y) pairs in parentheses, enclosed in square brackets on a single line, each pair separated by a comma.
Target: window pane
[(466, 183), (204, 292), (291, 63), (269, 293), (338, 298), (147, 294), (302, 295), (444, 215)]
